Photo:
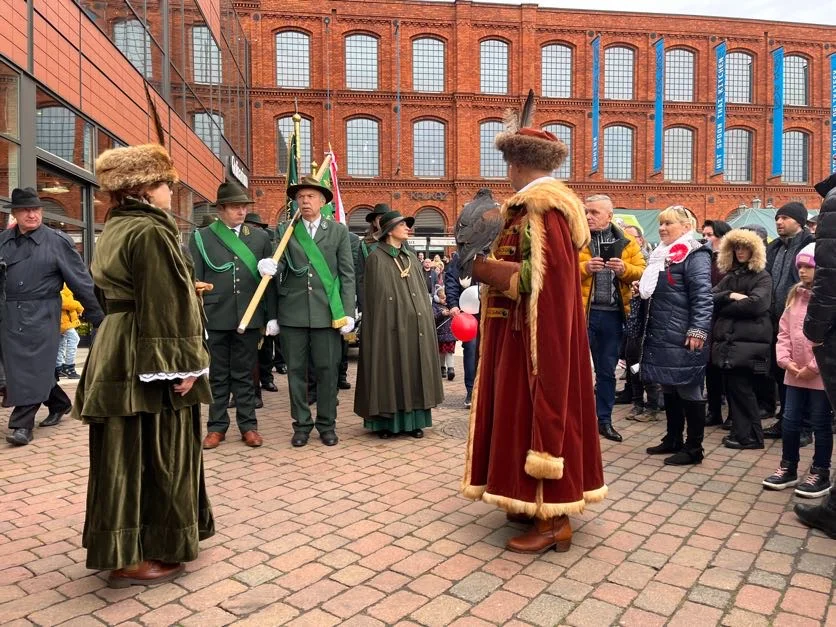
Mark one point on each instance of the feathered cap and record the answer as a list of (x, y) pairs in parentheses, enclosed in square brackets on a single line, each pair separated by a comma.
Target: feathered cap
[(131, 166), (522, 144)]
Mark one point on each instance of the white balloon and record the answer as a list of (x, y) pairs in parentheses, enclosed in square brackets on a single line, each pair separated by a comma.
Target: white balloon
[(469, 300)]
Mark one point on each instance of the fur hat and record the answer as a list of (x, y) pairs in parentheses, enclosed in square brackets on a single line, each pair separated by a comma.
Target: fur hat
[(131, 166), (741, 237), (806, 256), (794, 210), (524, 145)]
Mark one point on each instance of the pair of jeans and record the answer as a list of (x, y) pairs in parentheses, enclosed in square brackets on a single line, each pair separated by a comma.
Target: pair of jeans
[(605, 329), (470, 357), (67, 346), (801, 403)]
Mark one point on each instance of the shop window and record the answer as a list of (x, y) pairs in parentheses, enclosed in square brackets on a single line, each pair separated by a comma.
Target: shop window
[(59, 131), (357, 220)]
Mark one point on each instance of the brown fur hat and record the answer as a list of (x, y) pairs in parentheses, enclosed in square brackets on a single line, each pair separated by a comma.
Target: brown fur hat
[(132, 166), (532, 148), (741, 237)]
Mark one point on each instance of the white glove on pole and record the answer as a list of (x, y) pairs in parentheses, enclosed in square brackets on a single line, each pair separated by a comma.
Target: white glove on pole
[(272, 326), (267, 267), (348, 327)]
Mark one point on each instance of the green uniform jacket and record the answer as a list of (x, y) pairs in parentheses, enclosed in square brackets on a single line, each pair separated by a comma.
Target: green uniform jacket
[(226, 303), (302, 299)]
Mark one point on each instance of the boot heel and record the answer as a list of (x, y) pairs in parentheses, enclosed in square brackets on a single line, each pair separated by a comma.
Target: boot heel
[(561, 546)]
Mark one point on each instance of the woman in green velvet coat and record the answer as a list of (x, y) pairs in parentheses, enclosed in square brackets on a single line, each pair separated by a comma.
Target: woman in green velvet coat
[(398, 380), (143, 383)]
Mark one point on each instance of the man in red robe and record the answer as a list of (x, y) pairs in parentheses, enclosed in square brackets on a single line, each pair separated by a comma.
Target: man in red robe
[(533, 445)]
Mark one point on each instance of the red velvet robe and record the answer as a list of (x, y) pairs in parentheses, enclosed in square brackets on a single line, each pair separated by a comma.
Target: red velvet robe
[(533, 446)]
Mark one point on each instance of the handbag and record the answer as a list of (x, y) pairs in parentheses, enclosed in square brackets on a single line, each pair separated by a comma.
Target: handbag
[(634, 324)]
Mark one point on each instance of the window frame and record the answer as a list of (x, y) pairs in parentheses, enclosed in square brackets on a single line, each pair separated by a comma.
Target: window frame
[(805, 164), (208, 68), (483, 161), (350, 66), (751, 79), (632, 152), (693, 77), (306, 151), (692, 137), (484, 79), (611, 84), (349, 161), (729, 155), (567, 164), (788, 91), (559, 79), (147, 70), (415, 160), (307, 38), (415, 41)]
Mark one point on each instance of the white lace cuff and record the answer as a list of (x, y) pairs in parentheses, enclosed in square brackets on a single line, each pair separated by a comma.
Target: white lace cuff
[(170, 376)]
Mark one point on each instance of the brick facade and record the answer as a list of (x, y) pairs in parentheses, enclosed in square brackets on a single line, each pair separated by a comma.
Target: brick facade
[(461, 107)]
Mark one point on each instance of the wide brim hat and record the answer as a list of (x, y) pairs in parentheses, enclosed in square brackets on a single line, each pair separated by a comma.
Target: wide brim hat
[(380, 209), (309, 182), (132, 166), (231, 193), (25, 198), (255, 218), (389, 221)]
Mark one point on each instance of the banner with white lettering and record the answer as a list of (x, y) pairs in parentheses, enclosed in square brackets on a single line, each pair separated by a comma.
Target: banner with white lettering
[(720, 111), (596, 100), (833, 113), (659, 109), (777, 112)]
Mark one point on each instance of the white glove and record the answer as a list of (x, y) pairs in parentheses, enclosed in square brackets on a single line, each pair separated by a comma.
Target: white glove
[(348, 327), (272, 326), (267, 267)]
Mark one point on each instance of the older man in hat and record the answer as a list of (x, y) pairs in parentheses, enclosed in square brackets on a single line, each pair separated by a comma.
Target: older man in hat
[(315, 283), (226, 254), (37, 261)]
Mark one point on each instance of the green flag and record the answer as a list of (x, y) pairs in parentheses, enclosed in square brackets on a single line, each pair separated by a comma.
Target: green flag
[(292, 169)]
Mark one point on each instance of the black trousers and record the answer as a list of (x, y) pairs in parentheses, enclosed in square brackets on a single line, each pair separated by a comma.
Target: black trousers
[(714, 390), (233, 356), (265, 360), (23, 416), (344, 362), (743, 404), (278, 358)]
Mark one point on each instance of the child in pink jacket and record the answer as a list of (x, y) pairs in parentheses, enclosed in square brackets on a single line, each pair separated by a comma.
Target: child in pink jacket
[(805, 391)]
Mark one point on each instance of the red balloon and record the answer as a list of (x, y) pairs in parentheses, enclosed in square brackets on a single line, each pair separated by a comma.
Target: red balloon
[(464, 327)]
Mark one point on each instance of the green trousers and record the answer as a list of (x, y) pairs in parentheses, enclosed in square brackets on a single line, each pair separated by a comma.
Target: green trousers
[(231, 370), (322, 348)]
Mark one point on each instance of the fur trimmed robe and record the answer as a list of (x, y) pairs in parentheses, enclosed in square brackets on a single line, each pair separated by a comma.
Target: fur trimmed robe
[(533, 445)]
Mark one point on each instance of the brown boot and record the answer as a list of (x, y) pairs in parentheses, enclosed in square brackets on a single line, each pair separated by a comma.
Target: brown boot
[(524, 519), (555, 532), (213, 439), (147, 573)]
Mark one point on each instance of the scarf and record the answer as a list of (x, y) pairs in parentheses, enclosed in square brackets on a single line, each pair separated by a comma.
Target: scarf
[(662, 258)]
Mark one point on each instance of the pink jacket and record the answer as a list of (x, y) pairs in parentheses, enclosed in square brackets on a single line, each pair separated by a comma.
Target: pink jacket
[(793, 346)]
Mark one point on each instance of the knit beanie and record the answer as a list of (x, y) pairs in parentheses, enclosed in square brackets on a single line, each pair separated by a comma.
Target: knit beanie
[(807, 256), (794, 210)]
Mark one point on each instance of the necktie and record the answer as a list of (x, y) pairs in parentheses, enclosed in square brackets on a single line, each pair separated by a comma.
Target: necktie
[(311, 229)]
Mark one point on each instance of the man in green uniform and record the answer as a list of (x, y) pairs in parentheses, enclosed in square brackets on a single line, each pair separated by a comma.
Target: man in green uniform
[(316, 305), (226, 254)]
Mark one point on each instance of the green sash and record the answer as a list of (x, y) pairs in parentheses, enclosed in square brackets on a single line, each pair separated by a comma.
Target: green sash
[(320, 266), (234, 244)]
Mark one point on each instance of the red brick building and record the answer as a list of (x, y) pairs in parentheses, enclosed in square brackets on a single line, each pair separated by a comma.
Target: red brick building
[(440, 75)]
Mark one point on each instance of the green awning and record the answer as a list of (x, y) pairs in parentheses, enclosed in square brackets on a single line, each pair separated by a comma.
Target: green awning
[(647, 219)]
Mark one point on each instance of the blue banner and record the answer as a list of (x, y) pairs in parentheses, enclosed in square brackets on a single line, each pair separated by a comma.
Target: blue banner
[(832, 113), (659, 109), (596, 101), (777, 112), (720, 111)]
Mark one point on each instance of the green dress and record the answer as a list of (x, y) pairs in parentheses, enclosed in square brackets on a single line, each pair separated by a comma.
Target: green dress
[(398, 375), (146, 496)]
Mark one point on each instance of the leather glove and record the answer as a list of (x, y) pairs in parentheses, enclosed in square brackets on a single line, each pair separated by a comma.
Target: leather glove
[(348, 327), (503, 276), (272, 326), (267, 267)]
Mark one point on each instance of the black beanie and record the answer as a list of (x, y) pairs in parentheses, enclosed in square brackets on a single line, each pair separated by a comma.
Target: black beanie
[(794, 210)]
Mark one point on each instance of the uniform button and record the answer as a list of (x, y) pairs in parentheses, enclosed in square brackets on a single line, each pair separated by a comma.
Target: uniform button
[(237, 279), (390, 298), (310, 289), (421, 334), (413, 293), (310, 276), (235, 258), (419, 313), (20, 282)]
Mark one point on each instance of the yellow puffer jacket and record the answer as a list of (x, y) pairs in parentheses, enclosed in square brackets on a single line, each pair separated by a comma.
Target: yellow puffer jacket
[(634, 262), (70, 310)]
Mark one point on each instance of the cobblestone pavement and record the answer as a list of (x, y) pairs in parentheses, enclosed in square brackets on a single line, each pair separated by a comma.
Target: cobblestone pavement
[(373, 532)]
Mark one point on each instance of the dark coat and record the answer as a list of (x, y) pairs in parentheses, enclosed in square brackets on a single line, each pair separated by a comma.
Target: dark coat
[(36, 270), (780, 263), (682, 303)]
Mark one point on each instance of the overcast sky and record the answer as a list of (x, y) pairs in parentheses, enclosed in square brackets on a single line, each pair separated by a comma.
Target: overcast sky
[(809, 11)]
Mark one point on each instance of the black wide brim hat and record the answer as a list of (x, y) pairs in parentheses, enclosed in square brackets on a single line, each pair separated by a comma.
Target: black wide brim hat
[(25, 198), (389, 221), (254, 218), (309, 182), (380, 209)]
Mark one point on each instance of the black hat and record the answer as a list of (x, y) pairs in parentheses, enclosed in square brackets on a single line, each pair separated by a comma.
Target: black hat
[(794, 210), (254, 218), (379, 209), (310, 182), (813, 219), (231, 193), (389, 220), (824, 187), (24, 198)]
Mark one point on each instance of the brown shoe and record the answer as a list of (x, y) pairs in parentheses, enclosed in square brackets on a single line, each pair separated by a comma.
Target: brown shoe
[(213, 439), (524, 519), (555, 532), (147, 573), (252, 438)]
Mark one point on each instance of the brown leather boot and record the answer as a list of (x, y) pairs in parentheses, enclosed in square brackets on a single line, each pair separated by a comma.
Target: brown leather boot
[(501, 275), (524, 519), (213, 439), (147, 573), (555, 532)]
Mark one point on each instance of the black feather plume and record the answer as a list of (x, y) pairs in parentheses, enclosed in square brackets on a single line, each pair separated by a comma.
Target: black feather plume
[(527, 114)]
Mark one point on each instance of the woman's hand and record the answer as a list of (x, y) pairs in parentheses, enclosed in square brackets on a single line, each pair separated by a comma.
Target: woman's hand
[(185, 386), (805, 374), (737, 296), (634, 288), (793, 368), (694, 343)]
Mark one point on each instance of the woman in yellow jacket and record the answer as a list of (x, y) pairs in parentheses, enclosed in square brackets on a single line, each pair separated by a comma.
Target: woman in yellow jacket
[(70, 311)]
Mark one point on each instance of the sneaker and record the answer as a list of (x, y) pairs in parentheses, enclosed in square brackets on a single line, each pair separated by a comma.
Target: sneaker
[(70, 373), (636, 411), (468, 400), (785, 477), (649, 415), (816, 484), (443, 371)]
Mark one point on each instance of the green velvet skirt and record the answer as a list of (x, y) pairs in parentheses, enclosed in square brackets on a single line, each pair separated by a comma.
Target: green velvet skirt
[(400, 422), (146, 497)]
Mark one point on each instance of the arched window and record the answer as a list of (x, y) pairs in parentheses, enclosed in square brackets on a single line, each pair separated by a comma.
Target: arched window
[(428, 148), (564, 134), (618, 153), (557, 71), (491, 163), (363, 147), (618, 73), (738, 156), (796, 80), (293, 60), (209, 127), (207, 57), (284, 131), (428, 64), (739, 67), (357, 220), (134, 41), (429, 221), (361, 62), (679, 75), (796, 157), (679, 154), (493, 67)]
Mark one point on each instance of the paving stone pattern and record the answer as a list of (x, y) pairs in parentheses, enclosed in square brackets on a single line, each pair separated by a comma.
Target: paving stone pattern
[(373, 532)]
